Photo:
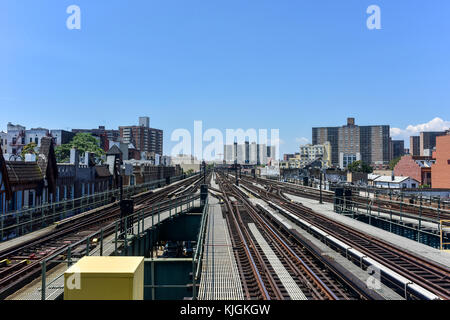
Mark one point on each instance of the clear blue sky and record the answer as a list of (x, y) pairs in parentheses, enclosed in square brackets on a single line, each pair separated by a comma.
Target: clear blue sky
[(286, 64)]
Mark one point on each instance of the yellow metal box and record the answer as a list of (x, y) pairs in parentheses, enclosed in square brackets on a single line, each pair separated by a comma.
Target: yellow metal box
[(105, 278)]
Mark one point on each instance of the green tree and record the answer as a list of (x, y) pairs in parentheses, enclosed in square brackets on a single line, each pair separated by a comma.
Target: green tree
[(394, 162), (359, 166), (28, 149), (83, 142)]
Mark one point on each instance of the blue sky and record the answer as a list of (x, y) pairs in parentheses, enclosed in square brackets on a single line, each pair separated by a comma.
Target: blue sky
[(286, 64)]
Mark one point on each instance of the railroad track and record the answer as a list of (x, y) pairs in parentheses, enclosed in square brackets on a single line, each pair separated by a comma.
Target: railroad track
[(426, 274), (394, 206), (20, 264), (312, 277)]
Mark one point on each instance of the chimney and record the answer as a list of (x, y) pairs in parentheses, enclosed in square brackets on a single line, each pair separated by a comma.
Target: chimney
[(74, 157), (29, 157), (86, 158)]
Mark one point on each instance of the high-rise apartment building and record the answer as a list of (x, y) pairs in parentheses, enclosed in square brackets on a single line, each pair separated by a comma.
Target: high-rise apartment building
[(351, 142), (414, 145), (247, 153), (229, 153), (143, 138), (397, 148), (156, 141), (428, 141)]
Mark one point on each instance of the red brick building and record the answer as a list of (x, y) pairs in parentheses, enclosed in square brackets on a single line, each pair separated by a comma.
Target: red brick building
[(416, 167), (441, 169)]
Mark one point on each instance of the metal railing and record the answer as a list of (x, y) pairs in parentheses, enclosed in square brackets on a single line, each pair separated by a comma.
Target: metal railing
[(109, 240), (397, 220), (198, 256), (445, 226)]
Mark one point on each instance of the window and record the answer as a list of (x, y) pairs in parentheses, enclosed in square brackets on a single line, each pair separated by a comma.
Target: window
[(36, 140), (30, 199)]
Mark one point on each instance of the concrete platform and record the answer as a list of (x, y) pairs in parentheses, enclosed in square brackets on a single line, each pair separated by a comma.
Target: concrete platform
[(25, 238), (220, 276), (422, 250)]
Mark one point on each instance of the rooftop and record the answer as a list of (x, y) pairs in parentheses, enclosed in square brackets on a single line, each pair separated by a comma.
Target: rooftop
[(23, 172)]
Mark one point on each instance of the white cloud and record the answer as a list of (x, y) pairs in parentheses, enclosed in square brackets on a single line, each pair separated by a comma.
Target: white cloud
[(437, 124), (302, 140)]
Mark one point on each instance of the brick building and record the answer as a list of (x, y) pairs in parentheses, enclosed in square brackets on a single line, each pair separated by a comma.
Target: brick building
[(144, 172), (441, 169), (144, 138), (416, 167)]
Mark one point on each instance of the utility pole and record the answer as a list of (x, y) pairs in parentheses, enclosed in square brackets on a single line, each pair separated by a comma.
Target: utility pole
[(320, 178), (204, 171), (236, 172)]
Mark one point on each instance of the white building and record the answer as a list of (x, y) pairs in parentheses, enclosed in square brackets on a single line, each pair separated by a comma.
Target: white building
[(3, 141), (270, 171), (272, 153), (241, 154), (166, 161), (262, 154), (187, 162), (248, 153), (17, 137), (35, 135), (393, 182), (253, 153), (309, 153)]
